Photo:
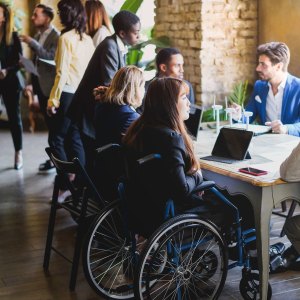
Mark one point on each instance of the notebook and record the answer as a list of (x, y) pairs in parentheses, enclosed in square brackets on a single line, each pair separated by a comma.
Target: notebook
[(194, 121), (256, 129), (231, 146)]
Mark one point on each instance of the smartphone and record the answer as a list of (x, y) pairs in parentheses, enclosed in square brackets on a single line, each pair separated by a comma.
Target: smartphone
[(253, 171)]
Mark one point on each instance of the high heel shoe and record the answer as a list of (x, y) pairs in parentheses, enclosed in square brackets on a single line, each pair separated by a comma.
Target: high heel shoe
[(18, 160)]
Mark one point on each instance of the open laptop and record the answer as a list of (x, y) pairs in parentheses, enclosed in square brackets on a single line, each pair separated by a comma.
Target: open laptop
[(256, 129), (231, 146), (194, 121)]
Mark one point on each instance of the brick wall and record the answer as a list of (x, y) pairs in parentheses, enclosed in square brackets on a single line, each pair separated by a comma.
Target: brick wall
[(217, 38)]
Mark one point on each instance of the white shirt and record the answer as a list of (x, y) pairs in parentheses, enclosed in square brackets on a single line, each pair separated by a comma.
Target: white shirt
[(44, 35), (100, 35), (274, 102), (122, 47)]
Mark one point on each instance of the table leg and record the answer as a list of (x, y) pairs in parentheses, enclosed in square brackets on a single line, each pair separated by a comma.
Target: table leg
[(262, 212)]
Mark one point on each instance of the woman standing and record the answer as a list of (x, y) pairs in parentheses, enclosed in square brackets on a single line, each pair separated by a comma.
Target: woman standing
[(74, 51), (10, 89), (98, 23)]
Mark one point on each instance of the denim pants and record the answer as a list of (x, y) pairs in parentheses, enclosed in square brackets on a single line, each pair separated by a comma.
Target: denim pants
[(64, 136)]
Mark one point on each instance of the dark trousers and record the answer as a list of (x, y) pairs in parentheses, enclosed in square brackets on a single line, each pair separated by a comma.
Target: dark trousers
[(64, 136), (42, 98), (11, 98), (89, 145)]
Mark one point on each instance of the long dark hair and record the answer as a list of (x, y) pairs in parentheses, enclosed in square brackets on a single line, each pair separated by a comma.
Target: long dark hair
[(160, 110), (72, 16), (8, 24)]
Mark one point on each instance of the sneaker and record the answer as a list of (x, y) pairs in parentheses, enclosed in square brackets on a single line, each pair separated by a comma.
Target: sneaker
[(18, 160), (46, 167), (276, 249), (63, 195)]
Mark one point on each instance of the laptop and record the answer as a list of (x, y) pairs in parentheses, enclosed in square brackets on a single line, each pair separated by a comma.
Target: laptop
[(256, 129), (231, 146), (194, 121)]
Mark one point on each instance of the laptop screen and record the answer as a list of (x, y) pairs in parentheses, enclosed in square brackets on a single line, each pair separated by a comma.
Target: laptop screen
[(232, 143), (193, 122)]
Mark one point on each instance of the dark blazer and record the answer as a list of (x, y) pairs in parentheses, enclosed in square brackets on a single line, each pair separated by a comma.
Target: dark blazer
[(47, 51), (10, 62), (105, 62), (290, 113), (152, 185), (112, 122)]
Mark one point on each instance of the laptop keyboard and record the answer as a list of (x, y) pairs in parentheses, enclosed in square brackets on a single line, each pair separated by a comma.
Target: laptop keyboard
[(220, 159)]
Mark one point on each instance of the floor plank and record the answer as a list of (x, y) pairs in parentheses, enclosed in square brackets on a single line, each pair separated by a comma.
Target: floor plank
[(24, 211)]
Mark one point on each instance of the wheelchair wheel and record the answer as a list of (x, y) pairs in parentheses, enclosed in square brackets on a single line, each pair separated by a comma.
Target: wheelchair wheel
[(249, 287), (107, 256), (184, 259)]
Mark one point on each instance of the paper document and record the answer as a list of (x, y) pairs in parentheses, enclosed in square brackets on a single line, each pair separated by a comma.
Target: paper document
[(47, 61), (28, 65)]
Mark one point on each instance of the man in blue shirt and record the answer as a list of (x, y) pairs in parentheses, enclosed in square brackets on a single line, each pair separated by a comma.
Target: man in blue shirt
[(276, 96)]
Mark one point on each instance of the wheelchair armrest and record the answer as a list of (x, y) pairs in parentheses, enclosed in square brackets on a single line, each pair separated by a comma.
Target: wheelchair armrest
[(107, 147), (205, 185), (148, 158)]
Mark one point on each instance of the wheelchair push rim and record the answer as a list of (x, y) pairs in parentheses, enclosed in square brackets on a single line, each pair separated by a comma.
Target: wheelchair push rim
[(184, 259)]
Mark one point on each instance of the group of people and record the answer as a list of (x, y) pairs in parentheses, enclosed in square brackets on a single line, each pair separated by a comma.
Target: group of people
[(91, 98)]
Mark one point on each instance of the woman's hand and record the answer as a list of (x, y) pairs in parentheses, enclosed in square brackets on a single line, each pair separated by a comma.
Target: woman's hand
[(51, 110), (99, 91), (3, 73)]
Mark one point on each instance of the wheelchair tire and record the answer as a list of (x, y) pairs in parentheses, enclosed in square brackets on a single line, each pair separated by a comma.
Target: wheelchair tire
[(186, 257), (249, 287), (107, 257)]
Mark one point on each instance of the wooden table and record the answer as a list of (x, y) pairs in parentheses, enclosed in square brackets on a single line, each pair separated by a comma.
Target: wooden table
[(264, 192)]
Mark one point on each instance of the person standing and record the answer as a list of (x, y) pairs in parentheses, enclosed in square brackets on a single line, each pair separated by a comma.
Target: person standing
[(75, 48), (107, 59), (43, 45), (98, 23), (10, 87)]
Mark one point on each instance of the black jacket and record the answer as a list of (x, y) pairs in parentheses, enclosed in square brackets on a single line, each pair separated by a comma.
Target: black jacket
[(154, 183), (10, 61), (104, 64)]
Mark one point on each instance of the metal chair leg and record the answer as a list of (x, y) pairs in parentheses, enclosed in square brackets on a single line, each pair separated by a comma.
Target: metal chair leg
[(289, 215)]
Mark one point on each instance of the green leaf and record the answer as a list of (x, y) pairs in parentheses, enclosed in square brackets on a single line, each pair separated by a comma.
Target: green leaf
[(134, 56), (131, 5), (239, 93)]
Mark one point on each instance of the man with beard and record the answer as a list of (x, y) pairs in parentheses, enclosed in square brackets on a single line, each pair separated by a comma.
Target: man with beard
[(276, 96)]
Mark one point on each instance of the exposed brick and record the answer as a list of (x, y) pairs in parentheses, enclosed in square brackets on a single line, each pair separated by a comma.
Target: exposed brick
[(217, 38)]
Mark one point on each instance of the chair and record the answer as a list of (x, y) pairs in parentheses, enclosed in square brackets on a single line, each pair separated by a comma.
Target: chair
[(289, 215), (84, 204)]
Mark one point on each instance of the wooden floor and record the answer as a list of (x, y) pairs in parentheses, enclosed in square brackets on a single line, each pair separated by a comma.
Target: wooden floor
[(24, 210)]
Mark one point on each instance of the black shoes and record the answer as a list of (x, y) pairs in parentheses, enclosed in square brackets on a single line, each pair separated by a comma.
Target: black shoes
[(275, 252), (46, 167), (284, 261)]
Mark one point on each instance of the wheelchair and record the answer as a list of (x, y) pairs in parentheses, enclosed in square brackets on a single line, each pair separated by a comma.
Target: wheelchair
[(185, 258)]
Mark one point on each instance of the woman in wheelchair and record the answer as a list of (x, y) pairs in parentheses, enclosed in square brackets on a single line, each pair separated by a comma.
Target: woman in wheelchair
[(161, 129), (184, 257)]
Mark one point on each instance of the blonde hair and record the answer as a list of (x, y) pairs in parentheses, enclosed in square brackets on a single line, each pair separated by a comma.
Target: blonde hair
[(124, 87), (96, 16)]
